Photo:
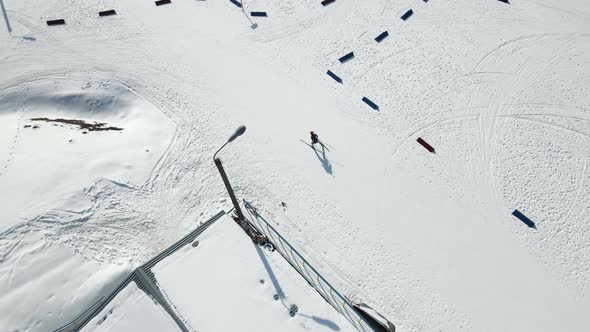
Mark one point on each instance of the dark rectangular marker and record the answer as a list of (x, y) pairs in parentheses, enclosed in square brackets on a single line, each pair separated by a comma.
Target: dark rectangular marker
[(382, 36), (107, 13), (258, 14), (327, 2), (425, 145), (56, 22), (370, 103), (504, 1), (334, 76), (346, 57), (237, 3), (524, 219), (163, 2), (407, 15)]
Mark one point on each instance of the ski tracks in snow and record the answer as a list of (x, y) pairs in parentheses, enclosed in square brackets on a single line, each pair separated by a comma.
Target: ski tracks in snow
[(124, 223), (491, 94), (515, 128), (13, 144)]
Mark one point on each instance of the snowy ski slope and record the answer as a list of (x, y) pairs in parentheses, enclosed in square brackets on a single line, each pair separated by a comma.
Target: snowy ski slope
[(500, 91)]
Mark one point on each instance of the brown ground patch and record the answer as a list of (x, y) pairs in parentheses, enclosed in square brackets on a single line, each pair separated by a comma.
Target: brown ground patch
[(95, 126)]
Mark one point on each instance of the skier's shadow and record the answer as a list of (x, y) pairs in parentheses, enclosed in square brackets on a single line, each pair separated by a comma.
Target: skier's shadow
[(324, 160)]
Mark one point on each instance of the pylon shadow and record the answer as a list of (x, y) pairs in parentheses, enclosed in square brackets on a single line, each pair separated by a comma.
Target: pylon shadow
[(8, 27)]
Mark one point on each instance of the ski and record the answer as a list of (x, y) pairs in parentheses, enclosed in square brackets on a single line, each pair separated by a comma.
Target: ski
[(313, 147), (327, 145)]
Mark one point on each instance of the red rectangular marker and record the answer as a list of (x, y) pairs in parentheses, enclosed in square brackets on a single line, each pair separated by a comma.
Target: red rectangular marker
[(425, 145)]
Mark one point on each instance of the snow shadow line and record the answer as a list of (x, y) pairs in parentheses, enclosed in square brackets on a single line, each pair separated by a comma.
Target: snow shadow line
[(271, 274), (324, 160), (326, 163), (340, 303), (8, 27), (281, 295), (326, 322)]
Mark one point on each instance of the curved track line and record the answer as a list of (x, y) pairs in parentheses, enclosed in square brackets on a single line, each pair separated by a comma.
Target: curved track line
[(578, 192), (475, 117)]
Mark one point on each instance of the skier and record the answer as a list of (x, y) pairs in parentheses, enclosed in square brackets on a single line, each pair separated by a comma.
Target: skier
[(314, 138)]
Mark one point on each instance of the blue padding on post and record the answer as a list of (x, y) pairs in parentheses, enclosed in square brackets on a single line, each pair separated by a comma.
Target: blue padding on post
[(334, 76), (56, 22), (524, 219), (382, 36), (407, 15), (346, 57), (107, 13), (370, 103), (258, 14)]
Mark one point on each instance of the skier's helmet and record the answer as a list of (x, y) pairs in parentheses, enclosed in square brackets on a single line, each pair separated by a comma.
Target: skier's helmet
[(311, 132)]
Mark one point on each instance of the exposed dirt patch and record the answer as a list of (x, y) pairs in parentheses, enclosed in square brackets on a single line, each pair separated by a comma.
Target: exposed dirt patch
[(94, 126)]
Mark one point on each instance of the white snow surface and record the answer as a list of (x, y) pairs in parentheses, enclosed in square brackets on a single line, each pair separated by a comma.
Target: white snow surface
[(131, 310), (44, 285), (227, 283), (46, 162), (501, 91)]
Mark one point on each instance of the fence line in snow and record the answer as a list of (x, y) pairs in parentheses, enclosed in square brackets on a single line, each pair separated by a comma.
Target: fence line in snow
[(145, 280), (313, 277)]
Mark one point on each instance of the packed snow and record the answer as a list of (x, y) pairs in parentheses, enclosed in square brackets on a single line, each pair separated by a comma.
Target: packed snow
[(227, 283), (44, 285), (131, 310), (501, 91), (43, 144)]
